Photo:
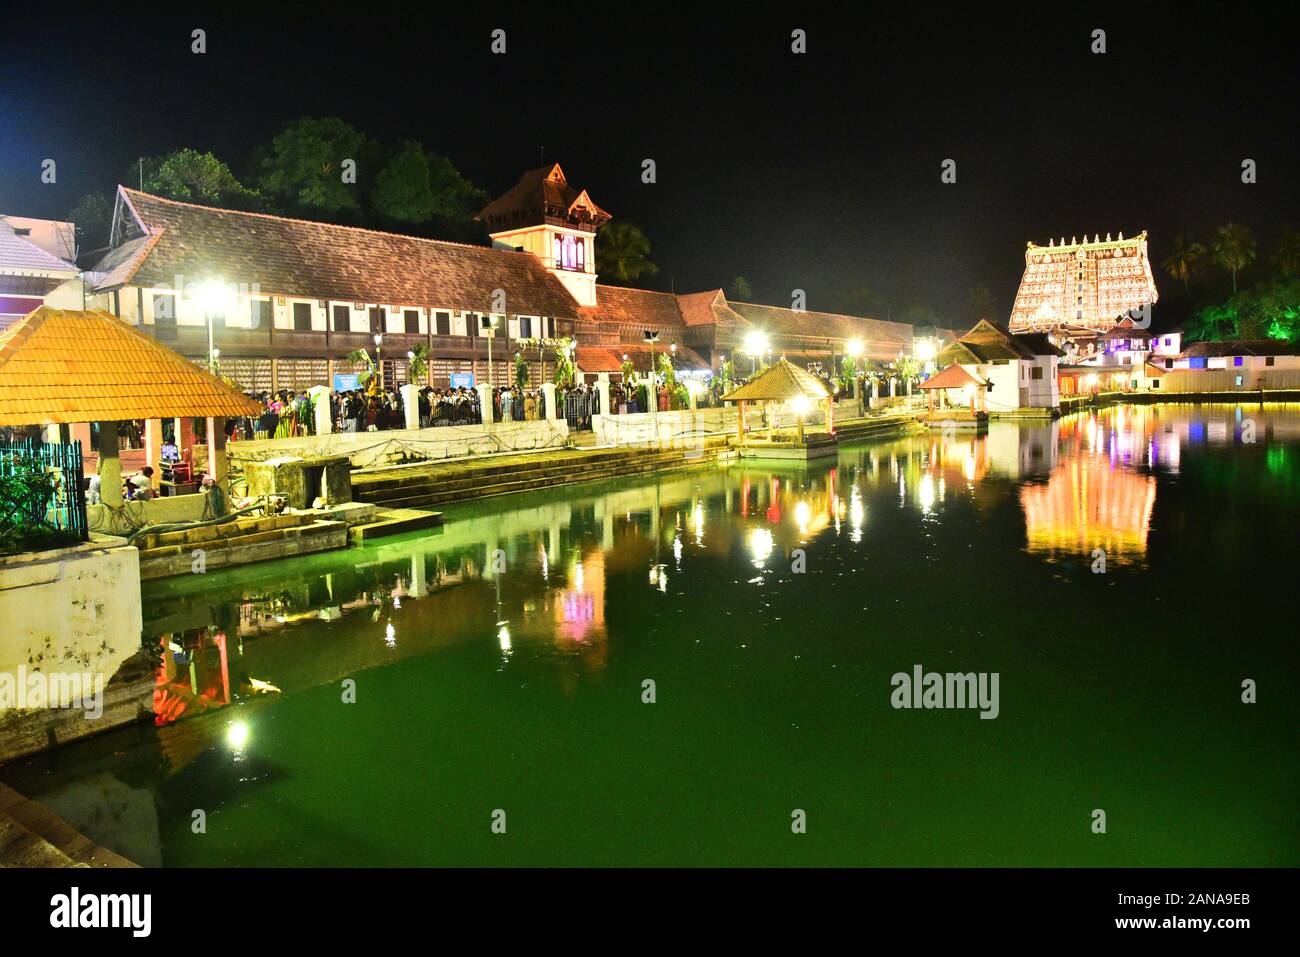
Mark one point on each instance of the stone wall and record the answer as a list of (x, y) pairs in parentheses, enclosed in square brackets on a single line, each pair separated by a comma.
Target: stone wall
[(367, 449), (72, 622), (126, 518)]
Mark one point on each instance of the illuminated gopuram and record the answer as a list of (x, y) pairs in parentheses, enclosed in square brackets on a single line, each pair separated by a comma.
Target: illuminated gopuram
[(1083, 288)]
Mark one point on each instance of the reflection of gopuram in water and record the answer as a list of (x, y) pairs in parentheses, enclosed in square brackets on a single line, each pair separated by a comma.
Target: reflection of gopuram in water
[(1089, 503)]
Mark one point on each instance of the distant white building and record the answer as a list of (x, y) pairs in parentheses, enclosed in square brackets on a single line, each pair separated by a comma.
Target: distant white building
[(1020, 370), (36, 267)]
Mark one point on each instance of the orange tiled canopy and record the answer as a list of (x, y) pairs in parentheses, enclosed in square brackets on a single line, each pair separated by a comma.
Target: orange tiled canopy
[(63, 366)]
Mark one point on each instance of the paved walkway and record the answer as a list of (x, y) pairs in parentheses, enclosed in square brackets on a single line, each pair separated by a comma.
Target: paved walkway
[(31, 835)]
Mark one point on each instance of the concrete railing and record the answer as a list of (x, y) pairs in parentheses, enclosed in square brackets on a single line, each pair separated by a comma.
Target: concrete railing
[(366, 449)]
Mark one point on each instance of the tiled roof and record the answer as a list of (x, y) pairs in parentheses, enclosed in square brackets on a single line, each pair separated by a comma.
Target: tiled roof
[(17, 255), (118, 267), (297, 257), (540, 195), (610, 358), (63, 366), (986, 342), (953, 377), (780, 382), (657, 310), (880, 339)]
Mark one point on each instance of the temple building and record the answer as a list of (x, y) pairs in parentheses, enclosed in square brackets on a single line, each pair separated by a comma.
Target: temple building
[(36, 267), (1080, 289), (294, 297), (1014, 371)]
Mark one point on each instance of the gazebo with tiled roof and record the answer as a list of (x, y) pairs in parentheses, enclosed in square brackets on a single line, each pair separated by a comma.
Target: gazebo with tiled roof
[(63, 367), (782, 382)]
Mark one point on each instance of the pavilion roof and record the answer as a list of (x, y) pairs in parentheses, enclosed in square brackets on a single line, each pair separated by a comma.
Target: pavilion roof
[(778, 383), (953, 377), (65, 366)]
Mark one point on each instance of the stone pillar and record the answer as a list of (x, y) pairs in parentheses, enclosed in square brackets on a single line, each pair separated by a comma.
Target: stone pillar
[(52, 434), (548, 393), (893, 387), (185, 439), (418, 587), (485, 403), (690, 392), (321, 409), (153, 439), (110, 466), (216, 448), (411, 404), (602, 389)]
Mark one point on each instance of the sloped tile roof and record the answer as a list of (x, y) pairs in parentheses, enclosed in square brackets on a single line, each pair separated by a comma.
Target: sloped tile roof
[(610, 358), (780, 382), (119, 266), (656, 310), (19, 256), (64, 366), (880, 339), (296, 257), (1240, 347), (540, 195), (953, 377), (707, 308)]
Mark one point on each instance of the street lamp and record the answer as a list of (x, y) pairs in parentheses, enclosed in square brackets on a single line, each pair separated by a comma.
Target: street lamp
[(211, 296), (755, 344), (379, 358)]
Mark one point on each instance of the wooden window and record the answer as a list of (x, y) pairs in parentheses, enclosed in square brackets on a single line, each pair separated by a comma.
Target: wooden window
[(1037, 372), (377, 319), (443, 324), (411, 320), (342, 318), (302, 317), (260, 313)]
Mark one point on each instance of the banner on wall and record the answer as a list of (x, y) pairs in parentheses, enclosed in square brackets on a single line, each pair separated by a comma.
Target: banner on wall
[(346, 381)]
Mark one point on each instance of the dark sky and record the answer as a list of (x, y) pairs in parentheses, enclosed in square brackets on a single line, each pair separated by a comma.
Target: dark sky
[(818, 171)]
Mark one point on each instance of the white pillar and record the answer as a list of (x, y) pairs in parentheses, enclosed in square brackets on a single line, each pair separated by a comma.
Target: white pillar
[(153, 448), (893, 387), (485, 403), (548, 394), (411, 405), (321, 399), (602, 389)]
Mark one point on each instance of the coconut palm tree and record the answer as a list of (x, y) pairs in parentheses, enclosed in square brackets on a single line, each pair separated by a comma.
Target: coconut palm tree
[(622, 252), (1184, 261), (1234, 249), (1286, 255)]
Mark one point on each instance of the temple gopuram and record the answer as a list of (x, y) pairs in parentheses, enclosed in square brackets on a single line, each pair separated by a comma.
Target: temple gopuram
[(1082, 289)]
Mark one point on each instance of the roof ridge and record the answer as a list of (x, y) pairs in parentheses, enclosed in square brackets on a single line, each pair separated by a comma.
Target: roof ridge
[(307, 222)]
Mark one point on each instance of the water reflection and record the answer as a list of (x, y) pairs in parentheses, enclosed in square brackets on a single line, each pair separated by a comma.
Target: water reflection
[(534, 574)]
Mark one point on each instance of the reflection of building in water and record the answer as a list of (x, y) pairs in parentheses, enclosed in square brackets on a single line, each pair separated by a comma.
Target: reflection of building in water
[(1090, 503), (1022, 450), (578, 610)]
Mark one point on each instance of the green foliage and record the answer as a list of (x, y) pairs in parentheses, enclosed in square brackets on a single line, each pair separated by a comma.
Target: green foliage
[(980, 304), (402, 189), (740, 290), (418, 364), (27, 490), (305, 164), (666, 371), (908, 368), (362, 357), (564, 369), (1234, 249), (521, 370), (1266, 310), (1286, 254), (622, 253), (1185, 261), (848, 372), (194, 177), (92, 215), (628, 370)]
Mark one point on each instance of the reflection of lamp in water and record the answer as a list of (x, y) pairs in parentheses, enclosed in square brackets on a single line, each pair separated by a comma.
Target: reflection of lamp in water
[(802, 515), (857, 514), (390, 636), (926, 492), (969, 468), (503, 638), (699, 522), (760, 544), (237, 735)]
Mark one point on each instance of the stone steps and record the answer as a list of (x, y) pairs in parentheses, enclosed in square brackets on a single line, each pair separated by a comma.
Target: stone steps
[(425, 491), (393, 521), (31, 835)]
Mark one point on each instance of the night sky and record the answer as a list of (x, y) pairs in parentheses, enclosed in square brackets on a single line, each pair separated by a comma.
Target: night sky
[(818, 171)]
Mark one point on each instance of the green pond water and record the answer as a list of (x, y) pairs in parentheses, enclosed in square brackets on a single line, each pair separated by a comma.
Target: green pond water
[(500, 665)]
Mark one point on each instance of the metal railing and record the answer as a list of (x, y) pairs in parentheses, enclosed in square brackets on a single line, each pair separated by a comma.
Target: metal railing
[(44, 486)]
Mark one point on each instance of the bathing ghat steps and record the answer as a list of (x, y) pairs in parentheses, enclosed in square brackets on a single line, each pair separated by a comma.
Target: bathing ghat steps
[(440, 483)]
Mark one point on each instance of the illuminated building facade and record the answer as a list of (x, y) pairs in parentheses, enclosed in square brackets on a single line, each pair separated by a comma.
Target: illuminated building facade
[(1080, 288)]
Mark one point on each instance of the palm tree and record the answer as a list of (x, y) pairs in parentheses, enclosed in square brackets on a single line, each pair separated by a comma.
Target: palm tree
[(1234, 249), (621, 253), (1184, 261), (1286, 255)]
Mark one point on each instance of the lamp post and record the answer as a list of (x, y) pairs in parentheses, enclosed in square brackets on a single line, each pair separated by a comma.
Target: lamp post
[(211, 295), (755, 344), (379, 358)]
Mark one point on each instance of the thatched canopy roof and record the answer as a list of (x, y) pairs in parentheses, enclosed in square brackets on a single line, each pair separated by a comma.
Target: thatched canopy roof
[(781, 382), (65, 366)]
